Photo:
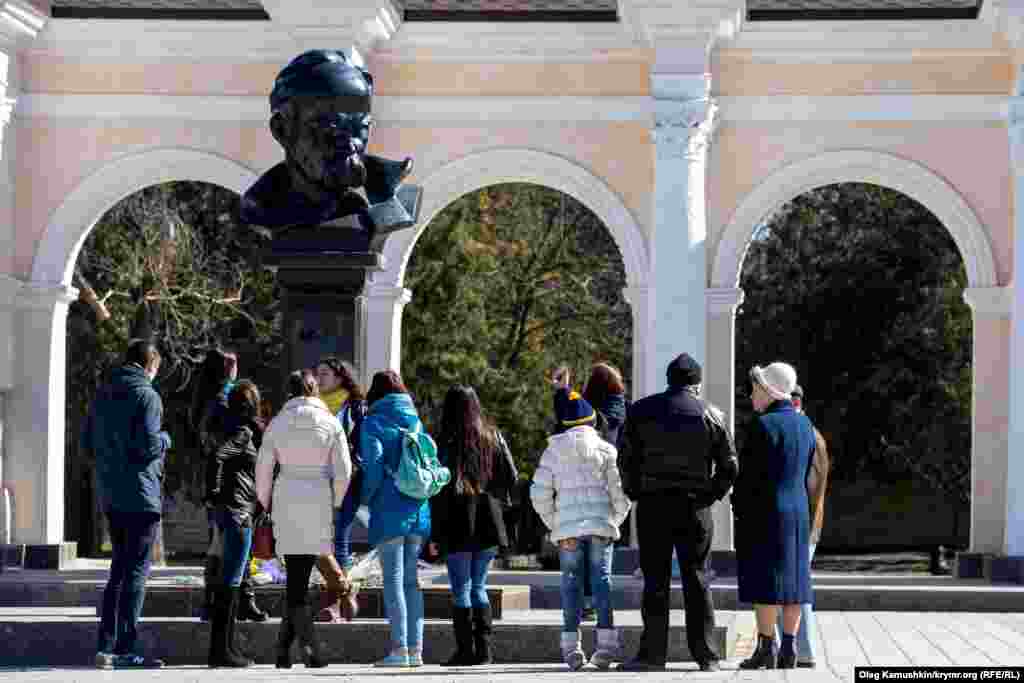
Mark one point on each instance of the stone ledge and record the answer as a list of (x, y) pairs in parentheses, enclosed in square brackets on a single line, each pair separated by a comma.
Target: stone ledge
[(51, 556), (63, 641)]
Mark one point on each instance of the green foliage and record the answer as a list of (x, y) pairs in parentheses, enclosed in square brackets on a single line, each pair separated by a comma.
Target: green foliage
[(507, 283), (172, 261), (860, 288)]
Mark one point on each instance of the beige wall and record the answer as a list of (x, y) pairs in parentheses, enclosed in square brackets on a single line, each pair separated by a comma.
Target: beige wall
[(737, 73), (54, 157), (744, 155)]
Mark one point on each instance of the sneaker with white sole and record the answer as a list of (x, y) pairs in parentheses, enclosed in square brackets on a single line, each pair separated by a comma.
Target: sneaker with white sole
[(137, 662), (104, 660), (415, 658), (397, 658)]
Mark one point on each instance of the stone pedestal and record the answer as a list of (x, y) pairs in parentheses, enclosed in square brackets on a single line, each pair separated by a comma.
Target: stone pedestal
[(321, 278)]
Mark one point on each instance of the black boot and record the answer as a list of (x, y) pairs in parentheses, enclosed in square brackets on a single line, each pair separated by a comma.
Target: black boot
[(248, 610), (764, 656), (285, 637), (233, 646), (482, 635), (309, 646), (212, 579), (462, 622), (221, 627), (787, 653)]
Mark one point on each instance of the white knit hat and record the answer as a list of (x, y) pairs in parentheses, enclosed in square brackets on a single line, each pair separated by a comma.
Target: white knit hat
[(778, 379)]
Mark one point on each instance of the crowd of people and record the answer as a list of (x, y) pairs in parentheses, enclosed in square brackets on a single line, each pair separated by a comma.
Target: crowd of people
[(335, 453)]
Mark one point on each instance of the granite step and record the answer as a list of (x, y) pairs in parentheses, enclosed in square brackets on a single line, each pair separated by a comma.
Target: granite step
[(35, 637)]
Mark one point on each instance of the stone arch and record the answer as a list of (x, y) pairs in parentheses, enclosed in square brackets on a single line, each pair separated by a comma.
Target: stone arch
[(908, 177), (483, 169), (71, 223)]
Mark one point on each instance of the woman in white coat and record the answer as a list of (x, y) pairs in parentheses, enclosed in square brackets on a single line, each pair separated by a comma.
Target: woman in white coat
[(310, 446)]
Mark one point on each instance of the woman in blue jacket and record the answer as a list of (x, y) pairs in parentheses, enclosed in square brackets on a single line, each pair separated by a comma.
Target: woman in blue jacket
[(399, 525)]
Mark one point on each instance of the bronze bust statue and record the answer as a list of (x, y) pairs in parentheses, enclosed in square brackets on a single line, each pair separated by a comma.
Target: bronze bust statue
[(321, 116)]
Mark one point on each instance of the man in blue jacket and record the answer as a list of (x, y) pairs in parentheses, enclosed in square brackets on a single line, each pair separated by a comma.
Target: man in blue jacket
[(124, 434)]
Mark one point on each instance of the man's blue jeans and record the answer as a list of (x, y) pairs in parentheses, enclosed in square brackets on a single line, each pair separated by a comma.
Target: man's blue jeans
[(403, 600), (806, 635), (467, 574), (237, 544), (132, 535), (597, 552)]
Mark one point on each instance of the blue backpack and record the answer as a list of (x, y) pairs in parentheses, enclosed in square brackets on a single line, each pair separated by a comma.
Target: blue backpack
[(419, 475)]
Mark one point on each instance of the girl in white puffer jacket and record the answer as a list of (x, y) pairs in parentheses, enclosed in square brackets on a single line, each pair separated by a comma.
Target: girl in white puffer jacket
[(578, 494)]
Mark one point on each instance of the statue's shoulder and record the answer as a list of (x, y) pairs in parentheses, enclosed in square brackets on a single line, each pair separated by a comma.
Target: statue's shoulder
[(259, 201)]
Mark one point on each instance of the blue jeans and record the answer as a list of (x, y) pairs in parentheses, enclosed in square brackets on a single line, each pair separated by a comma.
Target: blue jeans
[(805, 635), (344, 517), (467, 573), (403, 600), (237, 544), (132, 535), (597, 553)]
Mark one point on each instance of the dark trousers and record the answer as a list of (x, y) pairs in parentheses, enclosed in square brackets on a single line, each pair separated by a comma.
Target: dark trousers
[(664, 523), (297, 586), (132, 535)]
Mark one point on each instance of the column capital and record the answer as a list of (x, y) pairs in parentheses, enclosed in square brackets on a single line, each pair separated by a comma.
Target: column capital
[(43, 296), (391, 292), (683, 129), (358, 27), (993, 302), (723, 300)]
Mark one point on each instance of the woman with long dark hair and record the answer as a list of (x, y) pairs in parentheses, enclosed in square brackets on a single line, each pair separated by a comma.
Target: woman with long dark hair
[(309, 445), (399, 525), (347, 401), (234, 500), (468, 517), (217, 376), (606, 392)]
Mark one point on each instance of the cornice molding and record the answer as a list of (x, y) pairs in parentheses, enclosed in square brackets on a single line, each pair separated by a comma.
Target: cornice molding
[(316, 23), (656, 22), (20, 23), (799, 108)]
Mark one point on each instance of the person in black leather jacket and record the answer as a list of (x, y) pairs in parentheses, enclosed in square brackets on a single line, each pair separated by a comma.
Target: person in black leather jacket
[(235, 510), (677, 458)]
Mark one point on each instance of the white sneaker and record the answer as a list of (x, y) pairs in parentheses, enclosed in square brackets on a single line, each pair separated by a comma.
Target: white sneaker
[(416, 658), (572, 650)]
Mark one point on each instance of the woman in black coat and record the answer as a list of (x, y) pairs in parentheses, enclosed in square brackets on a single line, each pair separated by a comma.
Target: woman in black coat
[(772, 519), (467, 517)]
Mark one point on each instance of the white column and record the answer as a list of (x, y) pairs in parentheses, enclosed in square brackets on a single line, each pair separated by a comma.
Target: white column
[(382, 332), (991, 482), (684, 121), (35, 414), (1014, 537), (720, 385), (645, 373), (9, 288)]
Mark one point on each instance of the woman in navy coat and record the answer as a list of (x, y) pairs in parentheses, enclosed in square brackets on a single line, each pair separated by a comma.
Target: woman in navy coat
[(772, 517)]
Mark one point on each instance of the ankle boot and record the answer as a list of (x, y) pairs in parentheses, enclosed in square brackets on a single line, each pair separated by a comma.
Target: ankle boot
[(462, 622), (787, 653), (607, 650), (285, 637), (309, 646), (221, 628), (482, 631), (233, 646), (764, 656), (248, 610)]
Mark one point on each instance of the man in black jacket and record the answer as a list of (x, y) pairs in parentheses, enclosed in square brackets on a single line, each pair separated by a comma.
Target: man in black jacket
[(677, 459), (124, 433)]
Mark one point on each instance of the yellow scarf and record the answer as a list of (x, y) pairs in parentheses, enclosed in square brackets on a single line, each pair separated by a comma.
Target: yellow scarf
[(335, 400)]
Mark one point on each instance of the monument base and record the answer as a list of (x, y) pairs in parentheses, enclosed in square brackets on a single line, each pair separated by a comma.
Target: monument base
[(994, 568), (50, 556)]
